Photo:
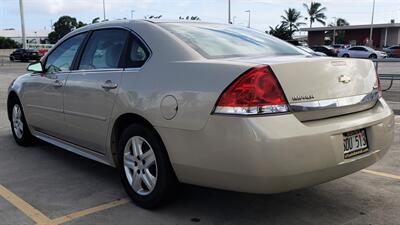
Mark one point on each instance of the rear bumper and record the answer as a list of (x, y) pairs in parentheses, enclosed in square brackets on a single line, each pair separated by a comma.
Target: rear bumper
[(275, 153)]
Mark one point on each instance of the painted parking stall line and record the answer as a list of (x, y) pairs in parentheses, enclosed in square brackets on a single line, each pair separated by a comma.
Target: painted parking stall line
[(40, 219), (387, 175), (90, 211), (25, 207)]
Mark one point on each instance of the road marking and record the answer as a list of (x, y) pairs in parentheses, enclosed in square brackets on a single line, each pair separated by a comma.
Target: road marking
[(382, 174), (25, 207), (89, 211)]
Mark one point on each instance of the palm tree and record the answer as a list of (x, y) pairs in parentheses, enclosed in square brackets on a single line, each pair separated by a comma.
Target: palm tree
[(340, 22), (280, 31), (315, 12), (339, 34), (96, 20), (291, 19)]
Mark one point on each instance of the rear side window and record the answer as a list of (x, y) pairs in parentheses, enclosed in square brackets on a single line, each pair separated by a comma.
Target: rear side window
[(137, 53), (61, 58), (103, 50), (224, 41)]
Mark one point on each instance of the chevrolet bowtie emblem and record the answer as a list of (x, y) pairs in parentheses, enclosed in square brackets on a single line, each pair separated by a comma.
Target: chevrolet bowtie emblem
[(344, 79)]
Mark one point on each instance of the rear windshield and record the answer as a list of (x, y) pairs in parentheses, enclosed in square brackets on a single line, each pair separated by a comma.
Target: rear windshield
[(224, 41)]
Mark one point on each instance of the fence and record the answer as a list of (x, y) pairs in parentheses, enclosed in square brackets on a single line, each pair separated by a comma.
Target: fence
[(391, 77)]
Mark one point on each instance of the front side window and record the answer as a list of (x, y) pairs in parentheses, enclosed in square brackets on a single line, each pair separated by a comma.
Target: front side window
[(223, 41), (61, 58), (103, 50)]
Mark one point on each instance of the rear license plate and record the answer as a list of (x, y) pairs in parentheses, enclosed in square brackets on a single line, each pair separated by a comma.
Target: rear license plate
[(355, 143)]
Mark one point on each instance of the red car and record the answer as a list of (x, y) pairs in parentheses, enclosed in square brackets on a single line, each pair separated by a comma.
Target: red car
[(393, 51)]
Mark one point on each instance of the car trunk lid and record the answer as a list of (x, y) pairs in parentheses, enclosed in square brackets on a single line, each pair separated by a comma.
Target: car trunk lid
[(318, 88)]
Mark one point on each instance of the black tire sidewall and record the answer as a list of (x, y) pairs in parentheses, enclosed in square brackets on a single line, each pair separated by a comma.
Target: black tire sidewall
[(166, 184)]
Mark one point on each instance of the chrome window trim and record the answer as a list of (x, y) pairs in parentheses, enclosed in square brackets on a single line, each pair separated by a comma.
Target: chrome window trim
[(336, 102), (129, 30), (97, 70)]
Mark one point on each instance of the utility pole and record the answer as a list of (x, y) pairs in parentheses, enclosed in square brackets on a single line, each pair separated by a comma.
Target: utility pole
[(372, 25), (334, 31), (249, 23), (104, 10), (132, 11), (229, 12), (21, 9)]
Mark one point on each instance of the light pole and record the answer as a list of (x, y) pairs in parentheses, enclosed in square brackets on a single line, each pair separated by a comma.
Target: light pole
[(229, 12), (334, 31), (372, 25), (21, 9), (104, 10), (248, 11), (132, 11)]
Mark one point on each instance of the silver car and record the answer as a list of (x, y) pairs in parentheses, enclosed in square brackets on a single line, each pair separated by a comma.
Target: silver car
[(362, 52), (206, 104)]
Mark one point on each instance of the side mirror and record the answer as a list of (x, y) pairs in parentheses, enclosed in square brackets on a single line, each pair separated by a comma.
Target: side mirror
[(36, 67)]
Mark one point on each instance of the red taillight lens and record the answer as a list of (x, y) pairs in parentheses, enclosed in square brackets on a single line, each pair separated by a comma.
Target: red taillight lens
[(256, 92)]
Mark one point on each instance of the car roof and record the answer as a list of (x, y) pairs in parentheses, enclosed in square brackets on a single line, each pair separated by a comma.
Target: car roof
[(126, 23)]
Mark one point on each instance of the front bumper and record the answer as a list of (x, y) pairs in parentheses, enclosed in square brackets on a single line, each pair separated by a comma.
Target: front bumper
[(272, 154)]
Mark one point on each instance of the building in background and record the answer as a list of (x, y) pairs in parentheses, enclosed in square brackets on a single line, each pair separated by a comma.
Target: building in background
[(383, 34), (32, 37)]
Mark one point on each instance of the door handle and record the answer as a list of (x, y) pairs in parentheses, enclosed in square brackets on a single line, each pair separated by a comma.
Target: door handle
[(58, 83), (109, 85)]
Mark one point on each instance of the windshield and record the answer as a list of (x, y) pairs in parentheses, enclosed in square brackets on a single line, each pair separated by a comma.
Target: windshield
[(223, 41)]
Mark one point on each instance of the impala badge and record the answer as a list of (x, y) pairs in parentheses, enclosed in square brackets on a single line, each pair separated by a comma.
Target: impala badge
[(302, 98), (344, 79)]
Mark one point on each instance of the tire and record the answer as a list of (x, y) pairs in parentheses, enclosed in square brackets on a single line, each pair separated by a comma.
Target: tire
[(149, 184), (373, 56), (19, 127), (346, 55), (12, 59)]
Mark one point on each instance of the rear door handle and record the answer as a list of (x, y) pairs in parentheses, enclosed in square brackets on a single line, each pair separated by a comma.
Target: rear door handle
[(109, 85), (58, 83)]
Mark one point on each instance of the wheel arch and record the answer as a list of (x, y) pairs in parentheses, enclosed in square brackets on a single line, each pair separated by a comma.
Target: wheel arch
[(120, 124), (373, 54)]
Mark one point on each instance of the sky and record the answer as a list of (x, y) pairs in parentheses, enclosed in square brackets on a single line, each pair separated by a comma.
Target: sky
[(264, 13)]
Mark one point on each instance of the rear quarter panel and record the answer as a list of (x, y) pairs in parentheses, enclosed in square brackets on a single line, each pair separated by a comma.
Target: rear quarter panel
[(196, 85)]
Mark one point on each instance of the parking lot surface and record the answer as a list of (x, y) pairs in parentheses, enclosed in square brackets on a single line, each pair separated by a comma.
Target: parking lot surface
[(46, 185)]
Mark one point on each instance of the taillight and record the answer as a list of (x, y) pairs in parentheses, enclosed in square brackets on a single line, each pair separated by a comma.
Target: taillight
[(255, 92), (377, 85)]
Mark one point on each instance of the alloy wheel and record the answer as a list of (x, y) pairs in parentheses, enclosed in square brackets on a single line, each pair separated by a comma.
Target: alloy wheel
[(140, 165), (18, 125)]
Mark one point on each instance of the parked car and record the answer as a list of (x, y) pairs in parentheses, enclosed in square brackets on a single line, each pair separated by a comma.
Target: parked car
[(310, 51), (328, 50), (362, 52), (206, 104), (24, 55), (393, 51), (43, 51)]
